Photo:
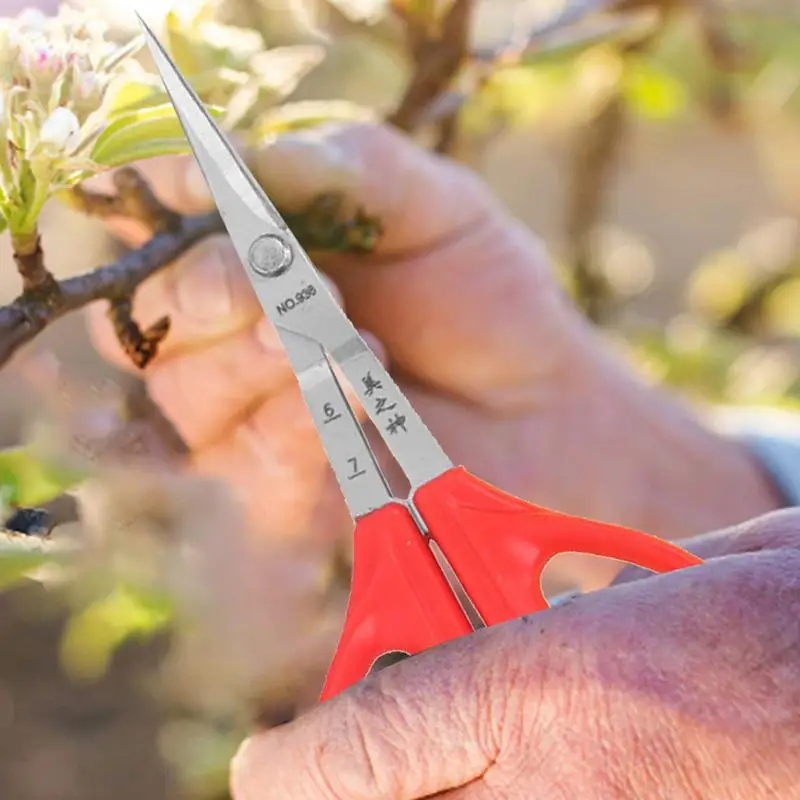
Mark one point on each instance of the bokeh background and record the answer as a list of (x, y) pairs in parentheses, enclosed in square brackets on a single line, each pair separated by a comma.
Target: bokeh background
[(666, 184)]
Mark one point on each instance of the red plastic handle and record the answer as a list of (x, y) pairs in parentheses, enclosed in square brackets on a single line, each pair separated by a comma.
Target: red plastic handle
[(498, 545), (399, 599)]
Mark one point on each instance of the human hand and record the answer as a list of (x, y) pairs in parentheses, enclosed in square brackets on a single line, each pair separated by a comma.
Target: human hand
[(682, 685), (461, 301), (250, 425)]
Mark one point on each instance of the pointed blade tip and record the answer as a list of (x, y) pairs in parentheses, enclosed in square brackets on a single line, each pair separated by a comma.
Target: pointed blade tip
[(147, 31)]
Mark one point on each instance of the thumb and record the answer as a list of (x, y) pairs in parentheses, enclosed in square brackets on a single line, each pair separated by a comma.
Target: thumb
[(423, 726), (420, 198)]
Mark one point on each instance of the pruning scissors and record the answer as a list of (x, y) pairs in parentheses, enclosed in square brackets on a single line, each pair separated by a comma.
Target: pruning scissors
[(492, 546)]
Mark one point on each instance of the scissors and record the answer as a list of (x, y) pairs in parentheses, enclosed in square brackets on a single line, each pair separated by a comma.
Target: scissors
[(457, 554)]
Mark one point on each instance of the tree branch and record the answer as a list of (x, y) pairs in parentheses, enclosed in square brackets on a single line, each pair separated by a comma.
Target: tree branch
[(439, 54), (134, 199), (322, 225), (26, 317)]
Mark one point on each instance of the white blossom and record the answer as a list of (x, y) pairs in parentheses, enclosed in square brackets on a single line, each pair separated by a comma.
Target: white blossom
[(55, 73), (61, 129)]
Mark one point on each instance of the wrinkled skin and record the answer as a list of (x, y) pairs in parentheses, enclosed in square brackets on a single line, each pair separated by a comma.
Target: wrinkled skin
[(678, 686)]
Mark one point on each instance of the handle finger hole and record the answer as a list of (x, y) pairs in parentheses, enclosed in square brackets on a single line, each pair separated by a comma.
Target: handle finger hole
[(387, 660), (566, 573)]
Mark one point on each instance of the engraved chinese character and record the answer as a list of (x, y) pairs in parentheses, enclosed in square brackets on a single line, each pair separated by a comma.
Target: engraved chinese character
[(370, 384), (398, 422), (382, 405)]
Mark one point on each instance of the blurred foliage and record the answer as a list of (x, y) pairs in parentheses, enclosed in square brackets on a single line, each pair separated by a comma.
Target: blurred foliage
[(21, 557), (95, 631), (28, 478), (733, 341)]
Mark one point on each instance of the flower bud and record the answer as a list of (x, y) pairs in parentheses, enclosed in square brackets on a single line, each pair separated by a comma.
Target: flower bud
[(60, 129), (86, 92), (40, 62), (87, 86)]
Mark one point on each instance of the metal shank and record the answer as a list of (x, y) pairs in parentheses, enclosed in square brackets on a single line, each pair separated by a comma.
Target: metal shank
[(306, 316)]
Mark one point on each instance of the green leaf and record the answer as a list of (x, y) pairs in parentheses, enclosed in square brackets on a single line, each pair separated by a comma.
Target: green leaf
[(15, 567), (135, 95), (150, 148), (140, 95), (143, 133), (653, 92), (719, 285), (94, 633), (17, 564), (781, 309), (309, 113), (21, 556), (27, 479), (220, 45), (180, 45)]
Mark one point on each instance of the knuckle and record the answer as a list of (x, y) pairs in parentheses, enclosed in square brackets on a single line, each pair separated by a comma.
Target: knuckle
[(235, 272), (467, 183), (208, 286), (354, 764), (777, 530)]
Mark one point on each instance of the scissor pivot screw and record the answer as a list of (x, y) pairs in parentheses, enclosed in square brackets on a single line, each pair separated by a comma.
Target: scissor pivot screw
[(270, 256)]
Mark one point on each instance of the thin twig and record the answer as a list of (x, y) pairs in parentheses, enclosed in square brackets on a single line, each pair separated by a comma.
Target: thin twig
[(140, 345), (439, 54), (36, 280), (596, 150), (322, 225), (134, 199), (24, 318)]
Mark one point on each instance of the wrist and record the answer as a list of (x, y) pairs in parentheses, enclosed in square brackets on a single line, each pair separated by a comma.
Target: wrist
[(642, 459), (689, 478)]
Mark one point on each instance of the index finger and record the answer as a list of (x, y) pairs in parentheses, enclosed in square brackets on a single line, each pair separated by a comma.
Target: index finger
[(207, 296)]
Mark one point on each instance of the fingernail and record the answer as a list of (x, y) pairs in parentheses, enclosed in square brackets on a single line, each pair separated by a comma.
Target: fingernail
[(239, 774), (241, 755), (298, 166), (203, 290)]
